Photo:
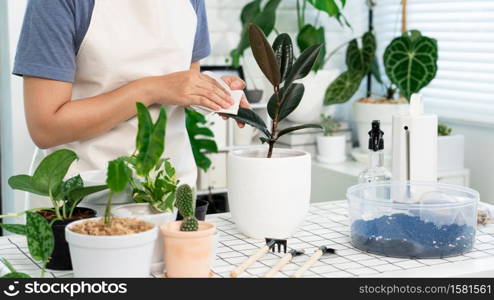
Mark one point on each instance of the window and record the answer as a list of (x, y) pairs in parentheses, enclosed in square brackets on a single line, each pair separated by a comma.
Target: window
[(464, 85)]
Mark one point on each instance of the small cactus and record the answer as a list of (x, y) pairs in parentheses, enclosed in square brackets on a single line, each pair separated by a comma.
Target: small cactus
[(185, 204)]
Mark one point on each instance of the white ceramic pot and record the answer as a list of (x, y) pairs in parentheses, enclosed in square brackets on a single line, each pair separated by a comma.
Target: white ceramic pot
[(97, 201), (111, 256), (269, 197), (331, 149), (145, 212), (311, 106), (365, 113), (450, 153)]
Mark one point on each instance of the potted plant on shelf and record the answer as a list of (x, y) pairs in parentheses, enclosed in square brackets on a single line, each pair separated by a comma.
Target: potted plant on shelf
[(65, 196), (115, 246), (269, 190), (410, 62), (331, 146), (450, 149), (189, 244)]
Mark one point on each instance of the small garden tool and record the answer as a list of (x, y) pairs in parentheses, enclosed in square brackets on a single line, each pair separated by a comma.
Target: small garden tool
[(317, 254), (270, 245), (283, 262)]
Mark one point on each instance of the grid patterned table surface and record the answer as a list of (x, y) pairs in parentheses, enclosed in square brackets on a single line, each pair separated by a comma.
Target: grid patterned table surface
[(326, 224)]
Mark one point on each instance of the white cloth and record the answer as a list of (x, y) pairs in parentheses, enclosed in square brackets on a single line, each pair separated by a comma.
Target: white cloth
[(129, 40)]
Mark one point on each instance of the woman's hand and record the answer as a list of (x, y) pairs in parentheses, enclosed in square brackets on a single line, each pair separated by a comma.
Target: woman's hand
[(190, 88), (235, 83)]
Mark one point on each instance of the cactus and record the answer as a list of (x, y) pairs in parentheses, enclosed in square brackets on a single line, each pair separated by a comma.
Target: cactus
[(185, 204)]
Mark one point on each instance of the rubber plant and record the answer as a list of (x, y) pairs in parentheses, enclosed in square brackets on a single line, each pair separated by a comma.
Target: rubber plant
[(410, 63), (278, 65), (151, 177), (47, 180), (201, 138), (310, 34), (263, 16)]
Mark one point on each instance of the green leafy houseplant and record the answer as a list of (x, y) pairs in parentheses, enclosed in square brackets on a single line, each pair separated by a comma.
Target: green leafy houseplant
[(314, 34), (201, 138), (65, 196), (410, 63), (155, 179), (329, 126), (443, 130), (278, 65)]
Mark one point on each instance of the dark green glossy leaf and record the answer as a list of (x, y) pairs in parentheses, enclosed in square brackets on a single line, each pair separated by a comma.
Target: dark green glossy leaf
[(410, 61), (309, 36), (25, 183), (375, 71), (264, 55), (76, 195), (283, 50), (14, 228), (361, 59), (40, 240), (250, 11), (290, 99), (118, 175), (144, 127), (303, 64), (16, 275), (149, 155), (343, 87), (295, 128), (249, 117), (201, 138), (328, 6)]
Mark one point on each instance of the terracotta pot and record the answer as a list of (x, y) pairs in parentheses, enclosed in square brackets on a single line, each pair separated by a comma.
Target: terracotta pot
[(188, 254)]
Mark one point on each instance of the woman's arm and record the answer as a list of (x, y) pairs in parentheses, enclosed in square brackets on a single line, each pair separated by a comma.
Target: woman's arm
[(54, 119)]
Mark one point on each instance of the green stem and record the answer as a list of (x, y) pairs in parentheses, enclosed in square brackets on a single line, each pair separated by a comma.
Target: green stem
[(43, 269), (107, 217), (55, 206), (15, 215)]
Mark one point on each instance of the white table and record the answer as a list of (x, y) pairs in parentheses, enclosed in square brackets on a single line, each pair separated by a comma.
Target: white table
[(326, 224)]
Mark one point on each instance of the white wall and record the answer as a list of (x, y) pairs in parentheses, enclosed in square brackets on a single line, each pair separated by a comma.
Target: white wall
[(17, 147)]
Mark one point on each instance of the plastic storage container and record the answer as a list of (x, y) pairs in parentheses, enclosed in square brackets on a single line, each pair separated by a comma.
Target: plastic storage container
[(413, 220)]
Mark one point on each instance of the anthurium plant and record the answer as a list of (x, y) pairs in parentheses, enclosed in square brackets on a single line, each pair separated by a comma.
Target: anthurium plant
[(410, 63), (282, 70), (201, 138), (151, 177)]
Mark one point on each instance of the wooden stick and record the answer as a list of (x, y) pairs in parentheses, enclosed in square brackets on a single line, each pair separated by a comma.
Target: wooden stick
[(403, 16), (251, 260), (274, 270), (317, 254)]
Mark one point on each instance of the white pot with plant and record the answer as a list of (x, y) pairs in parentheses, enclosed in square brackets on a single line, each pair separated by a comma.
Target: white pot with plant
[(122, 246), (331, 146), (269, 190), (450, 150), (410, 62)]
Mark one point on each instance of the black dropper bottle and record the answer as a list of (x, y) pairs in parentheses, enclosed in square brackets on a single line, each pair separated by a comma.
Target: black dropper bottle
[(375, 171)]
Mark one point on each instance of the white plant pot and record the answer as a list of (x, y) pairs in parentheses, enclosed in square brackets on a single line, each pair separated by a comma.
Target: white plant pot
[(311, 106), (331, 149), (111, 256), (365, 113), (450, 153), (269, 197), (145, 212)]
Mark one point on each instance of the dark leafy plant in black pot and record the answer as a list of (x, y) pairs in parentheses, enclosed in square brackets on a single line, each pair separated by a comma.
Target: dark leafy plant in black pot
[(45, 227)]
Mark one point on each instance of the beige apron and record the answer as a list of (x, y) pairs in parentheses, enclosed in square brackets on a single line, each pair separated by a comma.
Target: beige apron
[(129, 40)]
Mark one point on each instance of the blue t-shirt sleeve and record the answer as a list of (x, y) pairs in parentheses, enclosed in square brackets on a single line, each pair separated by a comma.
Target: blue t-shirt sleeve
[(49, 40), (202, 45)]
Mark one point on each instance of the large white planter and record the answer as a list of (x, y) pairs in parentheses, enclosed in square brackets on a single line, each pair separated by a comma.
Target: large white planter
[(111, 256), (331, 149), (450, 153), (311, 106), (269, 197), (365, 113), (145, 212)]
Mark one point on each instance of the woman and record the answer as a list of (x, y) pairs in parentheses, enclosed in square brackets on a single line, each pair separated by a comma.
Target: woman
[(86, 62)]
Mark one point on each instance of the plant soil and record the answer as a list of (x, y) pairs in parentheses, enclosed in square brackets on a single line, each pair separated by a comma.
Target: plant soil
[(79, 214), (401, 235), (382, 100), (119, 226)]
